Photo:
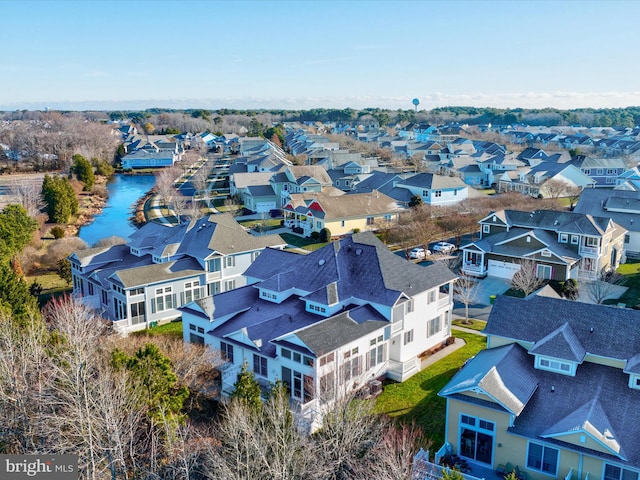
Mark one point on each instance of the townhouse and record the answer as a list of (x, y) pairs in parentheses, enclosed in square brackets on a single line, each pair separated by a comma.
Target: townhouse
[(327, 323), (554, 395), (563, 245), (142, 283)]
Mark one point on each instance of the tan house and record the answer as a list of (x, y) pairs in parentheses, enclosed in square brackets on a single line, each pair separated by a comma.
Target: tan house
[(555, 394), (341, 214)]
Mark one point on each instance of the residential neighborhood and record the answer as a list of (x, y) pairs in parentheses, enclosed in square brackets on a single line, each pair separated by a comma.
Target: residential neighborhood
[(352, 262)]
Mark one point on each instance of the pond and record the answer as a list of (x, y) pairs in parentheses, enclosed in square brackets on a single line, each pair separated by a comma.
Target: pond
[(124, 192)]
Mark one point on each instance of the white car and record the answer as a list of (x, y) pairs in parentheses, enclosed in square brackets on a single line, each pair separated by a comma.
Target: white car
[(444, 247), (419, 253)]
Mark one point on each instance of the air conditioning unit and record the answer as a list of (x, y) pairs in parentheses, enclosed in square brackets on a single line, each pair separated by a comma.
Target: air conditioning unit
[(375, 387)]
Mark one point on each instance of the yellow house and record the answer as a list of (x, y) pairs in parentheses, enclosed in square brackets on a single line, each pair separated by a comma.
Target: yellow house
[(342, 214), (555, 394)]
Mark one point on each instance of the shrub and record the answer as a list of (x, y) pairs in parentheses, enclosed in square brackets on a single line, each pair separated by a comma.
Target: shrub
[(325, 235), (315, 235), (57, 232)]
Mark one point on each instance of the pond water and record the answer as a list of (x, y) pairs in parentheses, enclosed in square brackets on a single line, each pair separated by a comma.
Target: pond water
[(124, 192)]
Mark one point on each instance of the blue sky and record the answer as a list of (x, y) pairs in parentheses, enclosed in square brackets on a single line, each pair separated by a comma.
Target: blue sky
[(304, 54)]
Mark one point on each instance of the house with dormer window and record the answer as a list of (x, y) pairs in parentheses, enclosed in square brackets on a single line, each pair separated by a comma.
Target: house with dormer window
[(142, 283), (555, 393), (563, 245), (327, 323)]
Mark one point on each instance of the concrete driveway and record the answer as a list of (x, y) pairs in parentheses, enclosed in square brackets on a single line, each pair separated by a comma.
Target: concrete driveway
[(481, 307)]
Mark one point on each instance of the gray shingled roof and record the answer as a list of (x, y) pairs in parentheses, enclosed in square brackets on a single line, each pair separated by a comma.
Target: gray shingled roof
[(596, 402), (616, 332), (598, 202), (561, 343)]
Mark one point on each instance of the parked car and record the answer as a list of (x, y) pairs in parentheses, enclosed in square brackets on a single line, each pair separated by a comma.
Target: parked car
[(444, 247), (419, 253)]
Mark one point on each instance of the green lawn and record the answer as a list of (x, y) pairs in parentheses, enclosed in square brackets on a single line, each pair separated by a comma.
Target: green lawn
[(172, 329), (300, 242), (631, 273), (475, 324), (417, 398)]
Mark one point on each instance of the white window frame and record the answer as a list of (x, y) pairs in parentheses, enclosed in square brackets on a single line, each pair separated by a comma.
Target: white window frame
[(541, 271), (260, 365), (408, 337), (575, 239), (564, 238), (434, 326), (486, 228), (555, 365)]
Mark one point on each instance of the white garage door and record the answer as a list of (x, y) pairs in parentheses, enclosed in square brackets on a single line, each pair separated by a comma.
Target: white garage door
[(265, 206), (499, 269)]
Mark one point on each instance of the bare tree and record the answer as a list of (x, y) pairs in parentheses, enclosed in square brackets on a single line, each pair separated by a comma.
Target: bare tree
[(465, 290), (526, 279), (110, 241), (29, 195), (233, 205), (554, 188), (605, 285)]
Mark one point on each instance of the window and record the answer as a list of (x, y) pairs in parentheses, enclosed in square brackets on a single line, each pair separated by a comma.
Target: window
[(286, 353), (612, 472), (260, 365), (591, 241), (575, 239), (369, 220), (342, 223), (229, 285), (476, 438), (486, 228), (408, 336), (626, 239), (91, 291), (437, 193), (351, 367), (554, 365), (327, 383), (455, 192), (433, 326), (542, 458), (376, 351), (600, 171), (297, 357), (545, 253), (254, 256), (213, 265), (137, 312), (564, 238), (327, 359), (227, 351), (610, 180), (543, 272), (191, 291), (214, 288), (229, 261), (164, 300), (136, 291), (431, 296)]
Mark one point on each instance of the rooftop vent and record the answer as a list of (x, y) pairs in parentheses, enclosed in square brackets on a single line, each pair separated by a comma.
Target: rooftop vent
[(321, 261), (358, 251)]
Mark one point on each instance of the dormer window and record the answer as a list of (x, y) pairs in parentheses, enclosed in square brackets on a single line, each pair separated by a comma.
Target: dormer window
[(268, 295), (551, 364), (564, 238)]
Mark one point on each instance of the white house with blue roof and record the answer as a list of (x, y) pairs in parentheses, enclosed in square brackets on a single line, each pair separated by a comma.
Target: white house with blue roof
[(333, 321), (142, 283)]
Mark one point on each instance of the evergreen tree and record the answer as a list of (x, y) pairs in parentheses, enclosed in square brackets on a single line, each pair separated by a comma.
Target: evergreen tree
[(84, 170), (15, 296), (153, 376), (16, 230), (60, 198), (247, 390)]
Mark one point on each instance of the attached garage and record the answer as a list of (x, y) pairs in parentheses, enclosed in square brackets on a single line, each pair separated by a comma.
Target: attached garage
[(497, 268)]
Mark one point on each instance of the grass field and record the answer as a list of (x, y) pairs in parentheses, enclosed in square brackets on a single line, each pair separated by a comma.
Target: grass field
[(306, 243), (417, 398), (172, 329), (631, 273)]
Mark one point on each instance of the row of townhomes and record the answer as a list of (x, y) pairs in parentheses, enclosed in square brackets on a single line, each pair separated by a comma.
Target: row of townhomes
[(327, 323), (162, 267), (555, 394), (562, 245)]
